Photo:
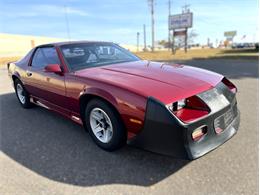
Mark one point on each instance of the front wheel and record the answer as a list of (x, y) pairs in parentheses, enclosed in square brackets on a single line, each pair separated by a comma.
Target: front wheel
[(104, 125), (22, 94)]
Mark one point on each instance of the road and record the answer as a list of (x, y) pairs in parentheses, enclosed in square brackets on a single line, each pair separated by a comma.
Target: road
[(43, 153)]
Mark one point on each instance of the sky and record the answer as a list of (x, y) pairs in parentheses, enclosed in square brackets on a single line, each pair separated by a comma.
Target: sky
[(120, 20)]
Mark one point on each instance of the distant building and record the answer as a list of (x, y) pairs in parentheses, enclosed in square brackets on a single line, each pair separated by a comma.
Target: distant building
[(19, 45)]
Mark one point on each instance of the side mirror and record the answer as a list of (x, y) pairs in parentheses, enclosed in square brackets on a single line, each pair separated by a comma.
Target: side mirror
[(55, 68)]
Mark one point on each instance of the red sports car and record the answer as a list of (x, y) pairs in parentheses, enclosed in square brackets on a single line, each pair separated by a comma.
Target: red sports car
[(167, 108)]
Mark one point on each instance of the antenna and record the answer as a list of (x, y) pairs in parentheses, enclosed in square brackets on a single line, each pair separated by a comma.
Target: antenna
[(67, 21), (185, 8), (169, 33)]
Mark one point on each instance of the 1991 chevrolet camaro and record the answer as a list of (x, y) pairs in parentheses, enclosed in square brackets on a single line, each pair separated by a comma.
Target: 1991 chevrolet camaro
[(166, 108)]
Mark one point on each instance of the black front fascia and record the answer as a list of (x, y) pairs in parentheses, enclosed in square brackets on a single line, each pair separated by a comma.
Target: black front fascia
[(165, 134), (162, 133)]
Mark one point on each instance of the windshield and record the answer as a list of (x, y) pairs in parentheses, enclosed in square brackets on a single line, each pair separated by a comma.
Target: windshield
[(84, 55)]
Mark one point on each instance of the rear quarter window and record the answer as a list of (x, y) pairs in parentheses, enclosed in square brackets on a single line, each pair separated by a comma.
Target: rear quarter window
[(25, 59)]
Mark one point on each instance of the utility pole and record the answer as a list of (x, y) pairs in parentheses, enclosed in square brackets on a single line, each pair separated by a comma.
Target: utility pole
[(185, 9), (172, 45), (186, 40), (137, 41), (145, 38), (151, 4), (169, 35)]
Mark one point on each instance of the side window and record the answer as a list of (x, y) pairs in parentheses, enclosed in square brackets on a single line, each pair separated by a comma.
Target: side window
[(45, 56), (112, 53), (51, 55), (38, 59)]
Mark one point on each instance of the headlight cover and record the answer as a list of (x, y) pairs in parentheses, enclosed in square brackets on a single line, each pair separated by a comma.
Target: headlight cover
[(177, 105), (189, 109)]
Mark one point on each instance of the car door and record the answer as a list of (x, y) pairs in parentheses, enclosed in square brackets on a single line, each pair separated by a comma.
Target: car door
[(48, 87)]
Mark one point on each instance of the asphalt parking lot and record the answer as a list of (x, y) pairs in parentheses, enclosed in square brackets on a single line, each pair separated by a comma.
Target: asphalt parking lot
[(43, 153)]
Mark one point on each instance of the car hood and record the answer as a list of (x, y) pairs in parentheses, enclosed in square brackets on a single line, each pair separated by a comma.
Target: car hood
[(165, 82)]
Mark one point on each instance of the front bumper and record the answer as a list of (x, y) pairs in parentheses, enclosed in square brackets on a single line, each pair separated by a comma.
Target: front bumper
[(165, 134)]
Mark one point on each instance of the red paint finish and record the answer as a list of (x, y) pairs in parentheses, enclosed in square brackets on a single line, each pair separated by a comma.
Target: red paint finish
[(165, 82), (54, 68), (189, 115), (125, 86), (129, 105)]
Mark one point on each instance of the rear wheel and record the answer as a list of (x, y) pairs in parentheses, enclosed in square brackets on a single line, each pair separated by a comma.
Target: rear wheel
[(22, 94), (104, 125)]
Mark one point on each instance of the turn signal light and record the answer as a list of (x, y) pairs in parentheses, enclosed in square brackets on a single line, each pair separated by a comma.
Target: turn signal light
[(199, 133)]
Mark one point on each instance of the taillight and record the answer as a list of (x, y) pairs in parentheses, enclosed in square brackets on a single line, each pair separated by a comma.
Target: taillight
[(230, 85)]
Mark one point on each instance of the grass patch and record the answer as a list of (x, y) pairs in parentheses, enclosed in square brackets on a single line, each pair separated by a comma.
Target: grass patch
[(5, 60), (180, 55), (199, 54)]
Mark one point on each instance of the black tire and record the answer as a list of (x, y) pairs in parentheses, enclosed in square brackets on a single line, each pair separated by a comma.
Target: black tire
[(26, 103), (119, 135)]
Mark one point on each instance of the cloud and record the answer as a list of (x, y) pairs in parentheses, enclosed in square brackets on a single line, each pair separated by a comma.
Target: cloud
[(54, 10), (45, 10), (76, 11), (18, 14)]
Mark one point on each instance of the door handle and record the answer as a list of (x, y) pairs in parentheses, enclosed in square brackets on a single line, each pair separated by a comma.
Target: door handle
[(28, 73)]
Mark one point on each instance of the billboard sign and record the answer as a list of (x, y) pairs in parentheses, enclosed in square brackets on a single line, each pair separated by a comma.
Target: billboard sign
[(230, 33), (180, 21)]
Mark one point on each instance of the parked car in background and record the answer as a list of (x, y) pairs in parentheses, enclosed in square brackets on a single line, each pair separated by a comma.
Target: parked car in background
[(243, 45)]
